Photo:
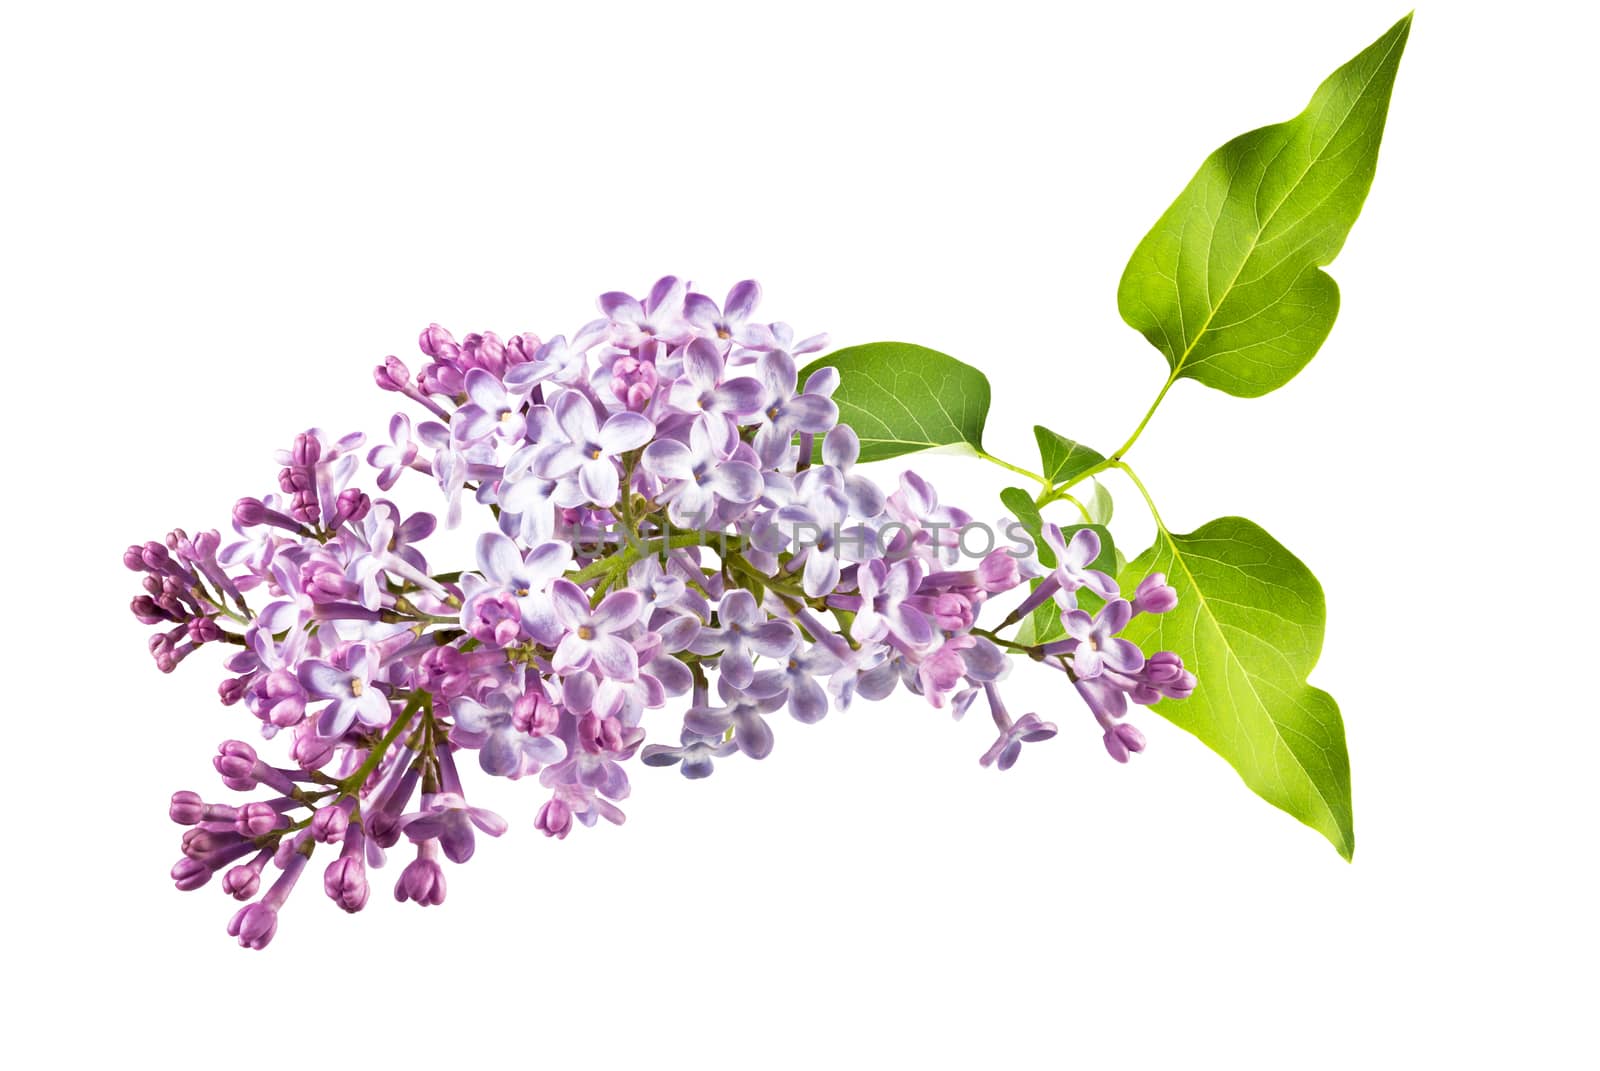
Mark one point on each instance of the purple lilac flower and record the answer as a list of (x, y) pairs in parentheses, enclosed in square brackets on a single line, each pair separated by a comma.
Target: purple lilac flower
[(353, 690), (1072, 564), (504, 750), (730, 323), (784, 412), (840, 450), (1027, 729), (492, 410), (1098, 645), (446, 818), (395, 458), (699, 477), (822, 540), (592, 635), (743, 632), (744, 712), (505, 569), (658, 318), (592, 449), (704, 389), (694, 757), (884, 597), (556, 650)]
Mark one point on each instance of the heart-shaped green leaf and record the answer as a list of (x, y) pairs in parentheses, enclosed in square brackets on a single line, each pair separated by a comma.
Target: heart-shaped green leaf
[(1249, 624), (1228, 283), (1061, 457), (902, 398)]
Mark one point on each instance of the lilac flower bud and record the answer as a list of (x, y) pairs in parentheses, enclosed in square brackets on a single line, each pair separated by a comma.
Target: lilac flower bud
[(1121, 739), (148, 613), (242, 881), (200, 841), (1163, 667), (278, 698), (190, 873), (633, 382), (236, 762), (392, 374), (998, 572), (204, 630), (232, 690), (521, 349), (133, 558), (155, 556), (950, 611), (495, 619), (254, 925), (186, 808), (304, 506), (310, 751), (353, 505), (554, 819), (207, 543), (325, 582), (257, 819), (345, 882), (1154, 595), (307, 449), (483, 351), (423, 880), (442, 378), (535, 715), (599, 734), (250, 512), (328, 825), (438, 343)]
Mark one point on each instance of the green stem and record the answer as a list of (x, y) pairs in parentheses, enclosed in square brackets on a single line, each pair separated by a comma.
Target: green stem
[(985, 455), (625, 502), (352, 784), (993, 637), (1115, 460), (1053, 495), (613, 563), (1148, 501), (1122, 451)]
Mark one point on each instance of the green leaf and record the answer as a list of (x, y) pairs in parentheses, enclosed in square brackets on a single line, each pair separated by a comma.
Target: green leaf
[(1228, 283), (901, 398), (1022, 506), (1061, 457), (1249, 624), (1098, 503)]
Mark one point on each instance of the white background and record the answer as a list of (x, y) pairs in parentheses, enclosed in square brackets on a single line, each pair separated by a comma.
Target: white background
[(219, 217)]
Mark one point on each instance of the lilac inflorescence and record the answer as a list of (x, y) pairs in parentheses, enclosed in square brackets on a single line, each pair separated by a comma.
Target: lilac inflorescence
[(673, 517)]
